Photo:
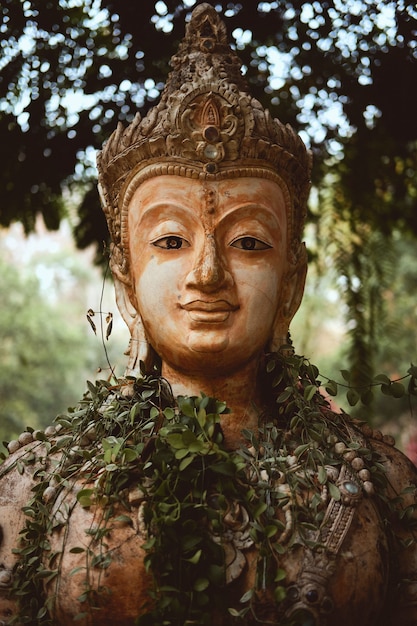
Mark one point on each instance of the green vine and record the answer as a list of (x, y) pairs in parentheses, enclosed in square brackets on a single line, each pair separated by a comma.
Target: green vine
[(174, 452)]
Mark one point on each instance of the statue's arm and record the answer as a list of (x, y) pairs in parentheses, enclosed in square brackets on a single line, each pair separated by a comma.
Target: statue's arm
[(15, 492), (401, 477)]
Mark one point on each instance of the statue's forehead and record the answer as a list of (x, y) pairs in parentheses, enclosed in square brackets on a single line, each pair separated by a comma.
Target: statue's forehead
[(207, 197), (208, 203)]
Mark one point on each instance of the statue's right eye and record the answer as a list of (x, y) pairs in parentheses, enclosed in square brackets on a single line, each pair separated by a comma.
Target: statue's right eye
[(170, 243)]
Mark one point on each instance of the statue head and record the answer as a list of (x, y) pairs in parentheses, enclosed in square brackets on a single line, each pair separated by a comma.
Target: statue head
[(210, 191)]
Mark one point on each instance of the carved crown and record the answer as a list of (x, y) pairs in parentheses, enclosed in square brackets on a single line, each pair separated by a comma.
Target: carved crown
[(206, 126)]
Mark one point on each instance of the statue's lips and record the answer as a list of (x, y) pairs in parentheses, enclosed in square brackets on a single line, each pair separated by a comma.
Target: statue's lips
[(214, 311)]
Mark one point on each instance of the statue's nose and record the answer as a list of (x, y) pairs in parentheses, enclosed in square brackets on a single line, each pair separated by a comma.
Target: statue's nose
[(209, 272)]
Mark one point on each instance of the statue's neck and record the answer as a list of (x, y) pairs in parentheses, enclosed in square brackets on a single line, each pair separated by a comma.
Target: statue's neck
[(239, 390)]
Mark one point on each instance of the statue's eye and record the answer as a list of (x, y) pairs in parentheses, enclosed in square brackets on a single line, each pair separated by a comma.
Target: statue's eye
[(170, 243), (250, 243)]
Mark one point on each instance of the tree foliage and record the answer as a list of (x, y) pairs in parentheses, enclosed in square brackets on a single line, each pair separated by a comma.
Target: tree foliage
[(341, 72)]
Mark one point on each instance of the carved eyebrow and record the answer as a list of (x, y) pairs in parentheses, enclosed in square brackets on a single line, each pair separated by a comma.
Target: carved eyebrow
[(253, 210), (161, 211), (166, 208)]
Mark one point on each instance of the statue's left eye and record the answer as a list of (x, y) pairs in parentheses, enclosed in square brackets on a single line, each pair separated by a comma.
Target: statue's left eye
[(249, 243), (170, 243)]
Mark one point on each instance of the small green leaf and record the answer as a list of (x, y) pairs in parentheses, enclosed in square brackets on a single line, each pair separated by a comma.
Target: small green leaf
[(280, 575), (181, 453), (92, 389), (331, 387), (186, 405), (201, 584), (201, 417), (278, 378), (195, 558), (313, 371), (334, 492), (133, 412), (367, 397), (77, 550), (397, 390), (346, 375), (352, 397), (285, 395), (309, 392), (129, 455), (186, 462), (85, 497), (196, 446), (412, 370), (270, 366), (279, 594), (410, 489), (246, 596), (220, 407), (43, 573), (386, 389), (188, 438), (169, 413), (154, 413), (41, 613), (270, 531), (412, 387), (382, 378), (40, 436), (322, 475), (261, 508), (149, 544), (175, 440), (74, 571), (203, 401), (124, 519), (148, 393), (301, 449)]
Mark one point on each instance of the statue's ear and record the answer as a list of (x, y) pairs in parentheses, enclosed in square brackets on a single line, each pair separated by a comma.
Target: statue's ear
[(124, 298), (139, 349), (294, 287), (291, 297)]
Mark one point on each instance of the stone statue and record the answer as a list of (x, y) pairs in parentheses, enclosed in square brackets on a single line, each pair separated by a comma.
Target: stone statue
[(213, 485)]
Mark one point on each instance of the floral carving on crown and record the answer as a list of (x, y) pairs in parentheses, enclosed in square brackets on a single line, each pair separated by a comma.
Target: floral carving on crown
[(209, 126), (206, 126)]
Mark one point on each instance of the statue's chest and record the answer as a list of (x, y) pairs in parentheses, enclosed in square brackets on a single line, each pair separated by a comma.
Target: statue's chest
[(325, 565)]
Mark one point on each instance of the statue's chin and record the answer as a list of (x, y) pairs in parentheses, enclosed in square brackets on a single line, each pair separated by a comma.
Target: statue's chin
[(207, 356), (207, 342)]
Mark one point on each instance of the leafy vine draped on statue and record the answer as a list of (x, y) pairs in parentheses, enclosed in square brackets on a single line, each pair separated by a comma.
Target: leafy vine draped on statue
[(213, 484)]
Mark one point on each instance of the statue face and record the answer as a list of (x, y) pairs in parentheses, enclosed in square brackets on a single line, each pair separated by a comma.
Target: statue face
[(207, 266)]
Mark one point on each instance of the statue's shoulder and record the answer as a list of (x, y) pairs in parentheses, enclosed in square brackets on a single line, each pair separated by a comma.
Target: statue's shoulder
[(401, 503), (400, 472), (395, 474)]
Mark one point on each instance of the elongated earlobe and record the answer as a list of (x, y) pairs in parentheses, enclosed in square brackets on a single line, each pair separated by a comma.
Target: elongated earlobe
[(139, 348)]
